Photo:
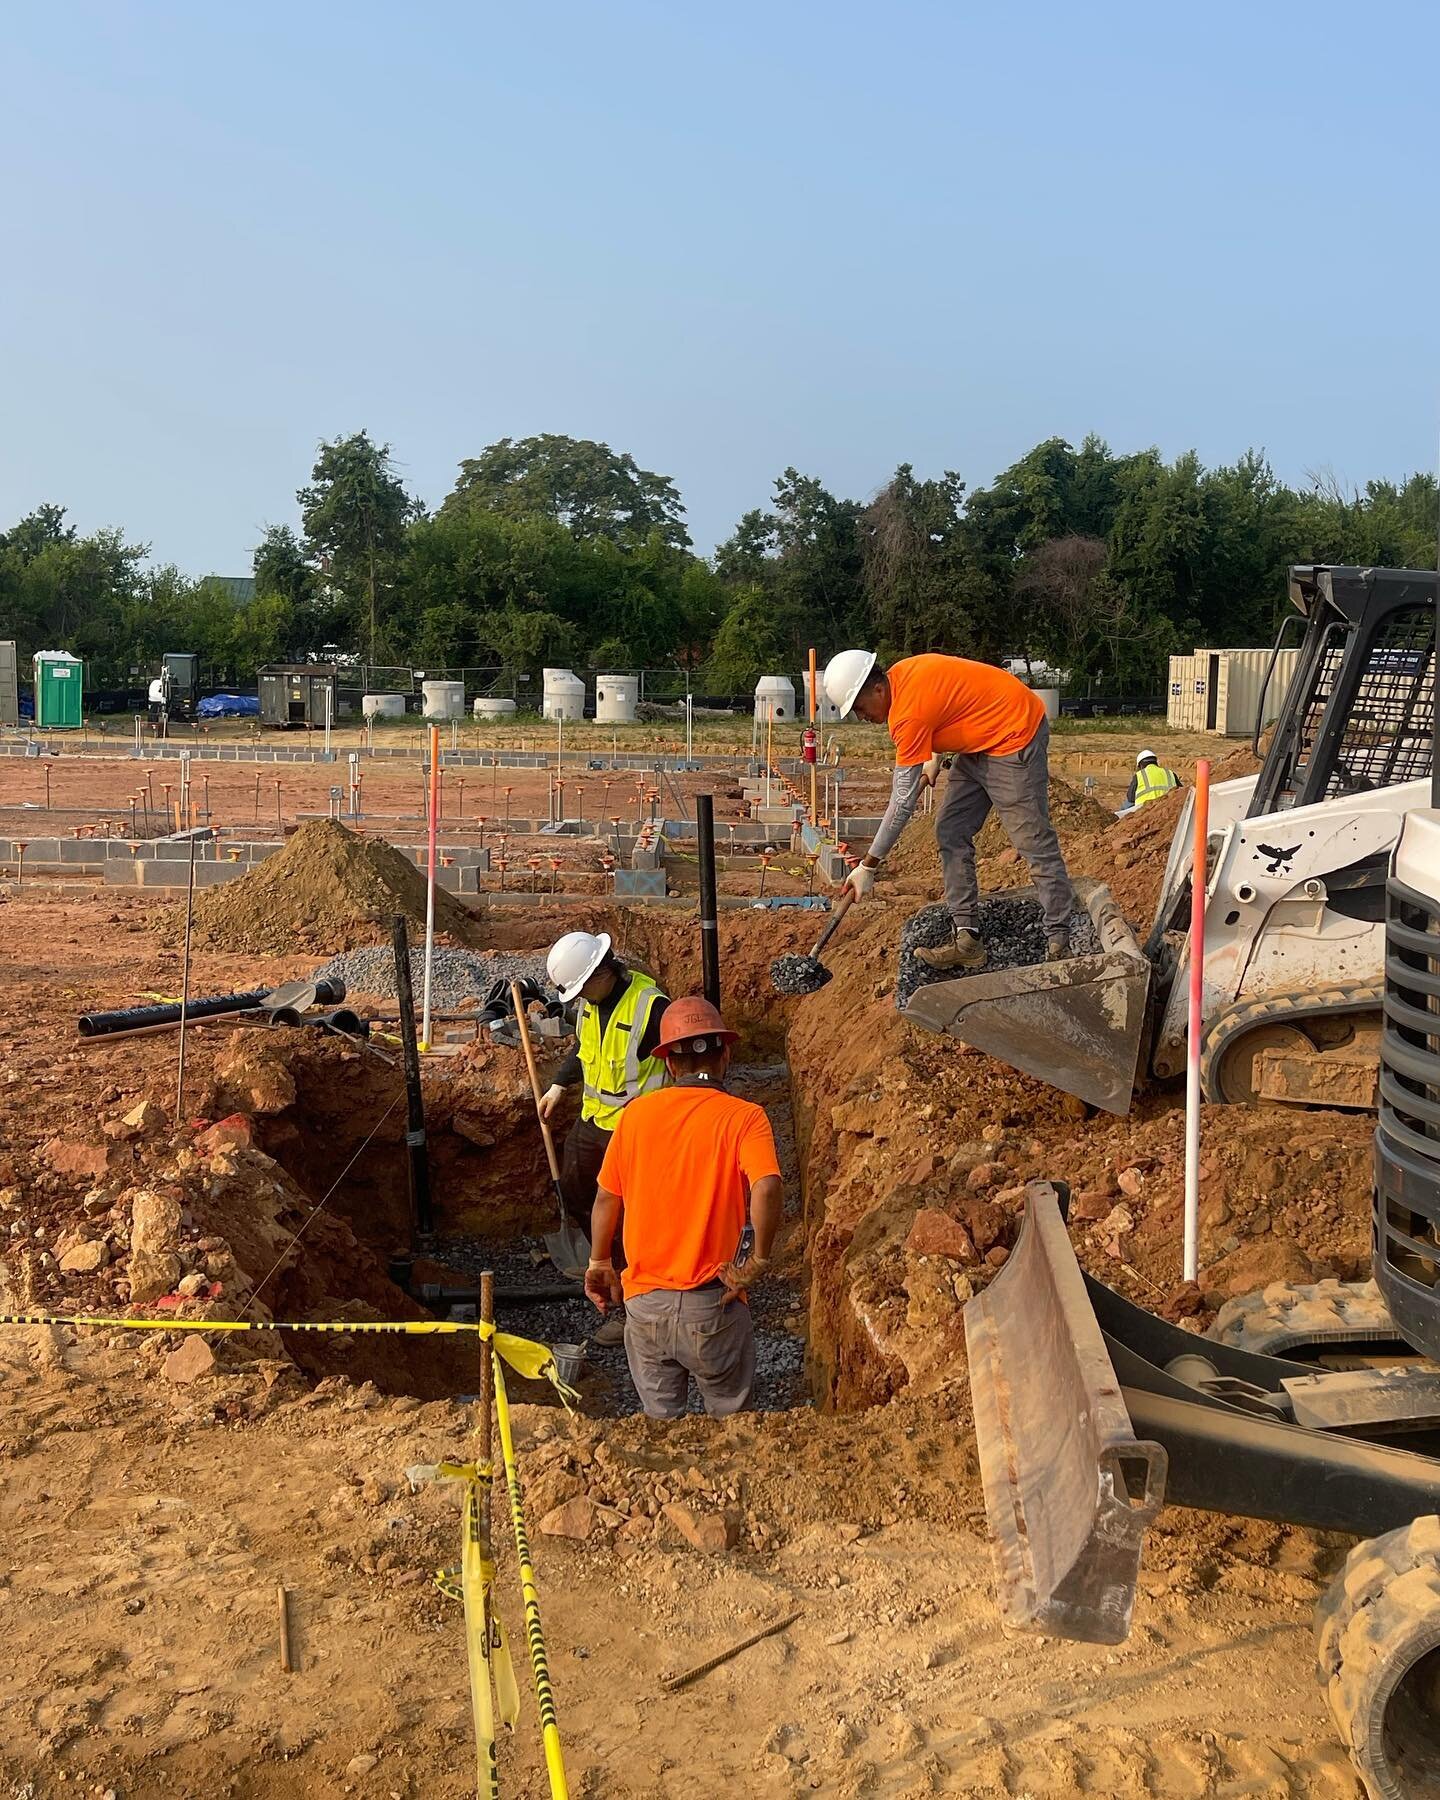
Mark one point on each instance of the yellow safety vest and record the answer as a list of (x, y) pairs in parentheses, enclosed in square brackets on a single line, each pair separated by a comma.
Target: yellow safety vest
[(614, 1073), (1152, 783)]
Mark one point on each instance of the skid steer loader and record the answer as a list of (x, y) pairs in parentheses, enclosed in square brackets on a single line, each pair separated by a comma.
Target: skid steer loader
[(1316, 1406), (1294, 908)]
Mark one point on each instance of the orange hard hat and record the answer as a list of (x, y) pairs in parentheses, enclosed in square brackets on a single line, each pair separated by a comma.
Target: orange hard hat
[(691, 1024)]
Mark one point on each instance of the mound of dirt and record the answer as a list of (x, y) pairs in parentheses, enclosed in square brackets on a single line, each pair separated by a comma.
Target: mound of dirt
[(328, 889)]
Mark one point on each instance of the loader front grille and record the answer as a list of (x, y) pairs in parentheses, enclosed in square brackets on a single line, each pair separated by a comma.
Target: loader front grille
[(1406, 1219)]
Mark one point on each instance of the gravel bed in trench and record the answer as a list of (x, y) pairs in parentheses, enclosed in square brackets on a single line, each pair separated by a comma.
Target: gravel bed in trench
[(1013, 931), (605, 1384), (456, 975)]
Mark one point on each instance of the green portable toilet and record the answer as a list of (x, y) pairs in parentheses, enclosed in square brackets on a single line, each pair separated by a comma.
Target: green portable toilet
[(59, 690)]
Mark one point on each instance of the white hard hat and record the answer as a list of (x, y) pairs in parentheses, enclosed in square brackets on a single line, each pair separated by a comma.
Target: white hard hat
[(845, 674), (574, 958), (1146, 756)]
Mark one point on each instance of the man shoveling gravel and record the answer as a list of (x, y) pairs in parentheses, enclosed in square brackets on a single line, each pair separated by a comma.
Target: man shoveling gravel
[(996, 731)]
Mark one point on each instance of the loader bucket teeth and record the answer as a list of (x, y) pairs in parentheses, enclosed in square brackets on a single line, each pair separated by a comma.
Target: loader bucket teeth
[(1077, 1024)]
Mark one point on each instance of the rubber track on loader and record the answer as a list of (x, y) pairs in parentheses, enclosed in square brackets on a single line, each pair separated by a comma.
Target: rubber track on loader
[(1380, 1617), (1291, 1315), (1284, 1009)]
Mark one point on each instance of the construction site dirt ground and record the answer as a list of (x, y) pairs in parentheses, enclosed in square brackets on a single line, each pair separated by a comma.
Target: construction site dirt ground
[(150, 1507)]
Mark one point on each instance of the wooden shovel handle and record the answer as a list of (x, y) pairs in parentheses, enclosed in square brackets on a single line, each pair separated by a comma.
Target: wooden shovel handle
[(842, 906), (529, 1049)]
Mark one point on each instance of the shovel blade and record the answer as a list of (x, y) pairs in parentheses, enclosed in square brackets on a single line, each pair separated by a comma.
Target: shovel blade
[(1077, 1024)]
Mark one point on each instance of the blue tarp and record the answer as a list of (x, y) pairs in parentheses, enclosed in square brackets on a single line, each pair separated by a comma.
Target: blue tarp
[(229, 706)]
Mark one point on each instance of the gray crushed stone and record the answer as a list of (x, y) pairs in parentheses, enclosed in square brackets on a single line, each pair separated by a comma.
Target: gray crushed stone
[(796, 974), (1013, 931), (605, 1384), (456, 975)]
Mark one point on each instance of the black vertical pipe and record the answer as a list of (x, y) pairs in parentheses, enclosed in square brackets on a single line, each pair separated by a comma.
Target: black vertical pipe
[(709, 928), (418, 1156)]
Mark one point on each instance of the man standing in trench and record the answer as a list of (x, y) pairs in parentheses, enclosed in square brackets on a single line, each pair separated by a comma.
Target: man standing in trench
[(617, 1028), (996, 730), (686, 1163)]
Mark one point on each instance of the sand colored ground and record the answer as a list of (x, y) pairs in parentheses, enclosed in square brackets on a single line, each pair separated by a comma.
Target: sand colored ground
[(146, 1523)]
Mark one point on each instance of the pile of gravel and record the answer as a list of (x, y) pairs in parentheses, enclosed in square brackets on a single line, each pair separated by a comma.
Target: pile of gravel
[(456, 975), (605, 1381), (797, 974), (1013, 931)]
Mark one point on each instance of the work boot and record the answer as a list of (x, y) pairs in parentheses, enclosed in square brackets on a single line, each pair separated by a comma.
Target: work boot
[(965, 952), (1057, 946), (611, 1330)]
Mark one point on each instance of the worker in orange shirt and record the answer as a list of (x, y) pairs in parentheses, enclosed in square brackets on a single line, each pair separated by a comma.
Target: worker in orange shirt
[(687, 1163), (996, 732)]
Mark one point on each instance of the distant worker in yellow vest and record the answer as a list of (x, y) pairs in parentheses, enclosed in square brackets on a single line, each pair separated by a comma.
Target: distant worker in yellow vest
[(617, 1027), (1150, 781)]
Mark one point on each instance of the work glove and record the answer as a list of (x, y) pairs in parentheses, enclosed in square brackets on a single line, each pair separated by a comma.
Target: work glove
[(931, 769), (860, 880), (550, 1100), (737, 1277)]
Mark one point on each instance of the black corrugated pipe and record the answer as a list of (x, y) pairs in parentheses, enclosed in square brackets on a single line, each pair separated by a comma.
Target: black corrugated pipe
[(709, 927), (137, 1018), (417, 1154)]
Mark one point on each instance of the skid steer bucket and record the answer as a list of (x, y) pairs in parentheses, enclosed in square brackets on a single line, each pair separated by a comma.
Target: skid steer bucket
[(1069, 1489), (1076, 1024)]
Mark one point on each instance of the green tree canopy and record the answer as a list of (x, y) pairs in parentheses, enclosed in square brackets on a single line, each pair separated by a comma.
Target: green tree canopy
[(592, 490), (355, 513)]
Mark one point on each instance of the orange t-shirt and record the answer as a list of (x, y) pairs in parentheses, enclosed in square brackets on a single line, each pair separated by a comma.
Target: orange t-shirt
[(948, 703), (683, 1160)]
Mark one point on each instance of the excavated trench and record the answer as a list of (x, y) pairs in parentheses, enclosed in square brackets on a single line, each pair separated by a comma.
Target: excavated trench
[(894, 1145), (335, 1120)]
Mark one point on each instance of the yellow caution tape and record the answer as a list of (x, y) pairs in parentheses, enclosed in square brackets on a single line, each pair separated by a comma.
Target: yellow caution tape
[(535, 1636)]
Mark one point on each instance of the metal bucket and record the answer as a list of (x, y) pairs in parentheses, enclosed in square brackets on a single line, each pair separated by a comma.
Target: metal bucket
[(569, 1362)]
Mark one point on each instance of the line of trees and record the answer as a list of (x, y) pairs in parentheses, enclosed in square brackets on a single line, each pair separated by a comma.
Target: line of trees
[(559, 550)]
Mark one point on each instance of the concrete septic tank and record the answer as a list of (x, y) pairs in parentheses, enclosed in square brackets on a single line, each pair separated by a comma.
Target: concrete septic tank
[(616, 699), (563, 695), (443, 700), (491, 706), (383, 706), (774, 698)]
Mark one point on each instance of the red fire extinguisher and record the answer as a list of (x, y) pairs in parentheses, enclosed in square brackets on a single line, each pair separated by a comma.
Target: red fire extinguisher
[(808, 744)]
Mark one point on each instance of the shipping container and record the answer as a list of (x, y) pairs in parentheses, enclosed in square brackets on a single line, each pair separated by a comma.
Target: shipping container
[(1220, 691), (1242, 689), (9, 684), (1188, 701), (295, 694), (59, 690)]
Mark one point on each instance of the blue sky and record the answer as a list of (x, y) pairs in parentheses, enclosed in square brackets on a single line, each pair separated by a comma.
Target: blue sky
[(725, 238)]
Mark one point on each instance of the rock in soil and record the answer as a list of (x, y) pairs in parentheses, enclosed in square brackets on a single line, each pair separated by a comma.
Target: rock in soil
[(1013, 931)]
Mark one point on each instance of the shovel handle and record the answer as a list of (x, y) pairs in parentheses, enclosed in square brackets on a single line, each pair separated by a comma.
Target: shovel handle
[(842, 906), (519, 1003)]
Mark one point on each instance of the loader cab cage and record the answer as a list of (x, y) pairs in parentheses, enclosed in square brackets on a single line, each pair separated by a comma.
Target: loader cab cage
[(1359, 713)]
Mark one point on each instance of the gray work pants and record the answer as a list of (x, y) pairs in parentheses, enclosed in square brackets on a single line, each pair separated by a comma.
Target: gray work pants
[(1018, 787), (671, 1335)]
